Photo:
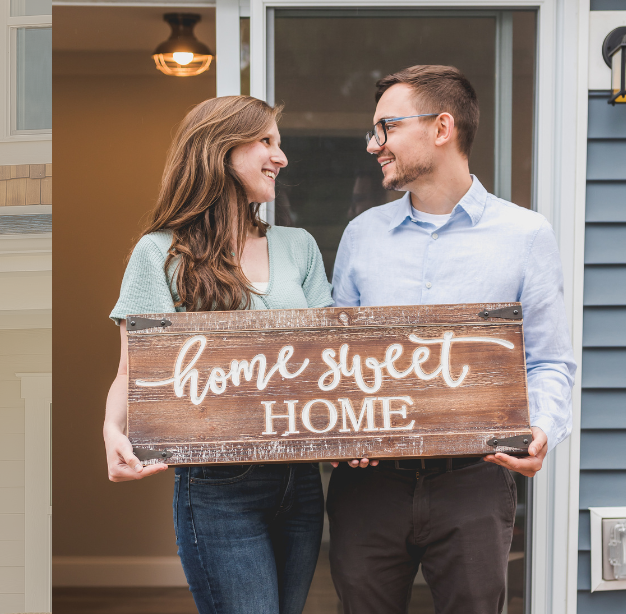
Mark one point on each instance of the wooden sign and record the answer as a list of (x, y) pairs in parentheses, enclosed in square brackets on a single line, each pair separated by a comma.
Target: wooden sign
[(327, 384)]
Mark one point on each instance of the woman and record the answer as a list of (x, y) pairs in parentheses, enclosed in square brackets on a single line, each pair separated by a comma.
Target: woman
[(248, 536)]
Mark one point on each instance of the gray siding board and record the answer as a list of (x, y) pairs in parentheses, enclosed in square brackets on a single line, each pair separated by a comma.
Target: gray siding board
[(605, 201), (584, 536), (605, 285), (603, 409), (604, 327), (602, 489), (608, 5), (604, 368), (602, 124), (584, 571), (605, 243), (602, 602), (605, 159), (603, 450)]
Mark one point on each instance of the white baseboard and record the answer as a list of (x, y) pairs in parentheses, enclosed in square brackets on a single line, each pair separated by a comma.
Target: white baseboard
[(117, 571)]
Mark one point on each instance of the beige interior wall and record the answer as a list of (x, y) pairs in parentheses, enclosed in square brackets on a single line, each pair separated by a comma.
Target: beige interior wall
[(114, 116), (21, 351)]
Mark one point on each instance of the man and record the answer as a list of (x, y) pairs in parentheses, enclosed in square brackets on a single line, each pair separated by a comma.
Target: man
[(447, 240)]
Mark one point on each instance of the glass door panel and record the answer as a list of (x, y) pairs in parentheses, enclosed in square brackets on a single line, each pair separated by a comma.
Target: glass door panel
[(323, 65)]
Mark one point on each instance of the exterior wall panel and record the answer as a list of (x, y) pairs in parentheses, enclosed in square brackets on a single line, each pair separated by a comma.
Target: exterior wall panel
[(20, 351), (605, 285), (605, 159), (604, 409), (604, 326), (605, 201), (603, 420)]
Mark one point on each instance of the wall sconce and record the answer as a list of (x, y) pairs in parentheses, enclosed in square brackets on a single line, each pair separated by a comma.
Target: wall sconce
[(182, 54), (614, 54)]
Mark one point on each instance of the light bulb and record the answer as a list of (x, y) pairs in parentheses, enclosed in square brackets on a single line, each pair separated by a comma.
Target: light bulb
[(182, 58)]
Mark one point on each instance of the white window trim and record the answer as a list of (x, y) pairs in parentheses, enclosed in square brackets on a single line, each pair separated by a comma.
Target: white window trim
[(559, 191), (8, 27), (37, 395)]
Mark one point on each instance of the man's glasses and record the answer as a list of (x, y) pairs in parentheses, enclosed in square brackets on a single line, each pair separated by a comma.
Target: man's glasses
[(379, 133)]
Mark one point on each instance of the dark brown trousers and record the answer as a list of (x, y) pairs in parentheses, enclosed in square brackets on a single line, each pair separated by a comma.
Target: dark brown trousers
[(385, 522)]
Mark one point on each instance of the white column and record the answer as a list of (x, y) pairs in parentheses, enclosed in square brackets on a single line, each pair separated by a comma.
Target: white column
[(504, 105), (37, 395), (227, 43)]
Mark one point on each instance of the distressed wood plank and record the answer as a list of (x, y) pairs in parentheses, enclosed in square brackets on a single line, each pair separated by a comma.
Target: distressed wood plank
[(322, 384), (319, 318)]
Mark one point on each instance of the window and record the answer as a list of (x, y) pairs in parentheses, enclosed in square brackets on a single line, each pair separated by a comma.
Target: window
[(26, 73)]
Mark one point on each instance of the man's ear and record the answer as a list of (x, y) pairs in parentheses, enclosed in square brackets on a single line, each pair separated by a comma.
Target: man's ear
[(445, 129)]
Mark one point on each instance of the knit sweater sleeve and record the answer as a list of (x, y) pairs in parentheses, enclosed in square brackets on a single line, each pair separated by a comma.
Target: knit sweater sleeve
[(315, 284), (145, 287)]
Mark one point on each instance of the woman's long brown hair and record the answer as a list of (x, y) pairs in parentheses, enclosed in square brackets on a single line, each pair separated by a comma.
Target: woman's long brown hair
[(195, 202)]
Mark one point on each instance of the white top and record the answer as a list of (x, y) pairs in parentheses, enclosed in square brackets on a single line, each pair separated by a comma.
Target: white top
[(430, 218), (259, 286)]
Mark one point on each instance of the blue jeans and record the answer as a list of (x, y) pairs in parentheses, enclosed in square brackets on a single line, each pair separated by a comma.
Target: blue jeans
[(248, 536)]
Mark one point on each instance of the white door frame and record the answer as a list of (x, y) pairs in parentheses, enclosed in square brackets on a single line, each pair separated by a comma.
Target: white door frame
[(559, 194)]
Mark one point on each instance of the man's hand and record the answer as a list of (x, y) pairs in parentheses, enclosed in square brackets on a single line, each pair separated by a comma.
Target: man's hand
[(355, 462), (528, 465)]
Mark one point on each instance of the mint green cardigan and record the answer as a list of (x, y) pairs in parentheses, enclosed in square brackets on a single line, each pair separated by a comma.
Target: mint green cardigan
[(297, 277)]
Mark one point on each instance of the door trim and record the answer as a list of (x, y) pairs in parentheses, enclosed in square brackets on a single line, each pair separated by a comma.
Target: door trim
[(559, 194)]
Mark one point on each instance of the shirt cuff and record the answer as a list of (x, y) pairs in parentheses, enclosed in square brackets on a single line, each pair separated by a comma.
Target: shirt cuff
[(547, 426)]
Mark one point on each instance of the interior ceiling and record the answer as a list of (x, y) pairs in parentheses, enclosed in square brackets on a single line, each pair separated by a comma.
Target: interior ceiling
[(113, 28)]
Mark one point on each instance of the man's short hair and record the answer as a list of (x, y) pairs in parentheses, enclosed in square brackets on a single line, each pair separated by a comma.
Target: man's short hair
[(438, 89)]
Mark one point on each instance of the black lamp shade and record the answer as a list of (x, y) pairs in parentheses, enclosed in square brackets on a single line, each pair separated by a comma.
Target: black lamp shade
[(182, 41), (614, 53)]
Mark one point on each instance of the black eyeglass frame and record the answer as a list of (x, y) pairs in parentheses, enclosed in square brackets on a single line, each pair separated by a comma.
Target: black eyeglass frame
[(383, 123)]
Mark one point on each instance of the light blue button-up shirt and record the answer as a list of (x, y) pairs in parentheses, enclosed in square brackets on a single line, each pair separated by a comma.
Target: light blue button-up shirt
[(489, 251)]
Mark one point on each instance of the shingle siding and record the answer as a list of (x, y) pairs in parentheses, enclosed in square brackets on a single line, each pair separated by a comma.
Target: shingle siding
[(603, 436)]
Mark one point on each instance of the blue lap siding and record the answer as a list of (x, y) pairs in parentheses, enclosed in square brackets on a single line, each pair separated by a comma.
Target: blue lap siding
[(603, 437)]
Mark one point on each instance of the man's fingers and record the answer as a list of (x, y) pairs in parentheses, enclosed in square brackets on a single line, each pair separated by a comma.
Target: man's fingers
[(527, 466), (355, 462)]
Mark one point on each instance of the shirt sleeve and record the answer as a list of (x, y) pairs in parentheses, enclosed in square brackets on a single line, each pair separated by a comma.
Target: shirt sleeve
[(549, 355), (315, 284), (345, 292), (145, 288)]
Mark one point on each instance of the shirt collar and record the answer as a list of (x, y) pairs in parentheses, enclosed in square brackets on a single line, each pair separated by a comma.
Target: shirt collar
[(473, 203)]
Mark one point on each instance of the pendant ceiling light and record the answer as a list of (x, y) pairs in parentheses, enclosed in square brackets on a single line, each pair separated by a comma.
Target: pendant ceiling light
[(182, 54)]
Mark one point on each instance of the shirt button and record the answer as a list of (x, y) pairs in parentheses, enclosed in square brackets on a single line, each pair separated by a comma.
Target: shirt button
[(428, 284), (434, 235)]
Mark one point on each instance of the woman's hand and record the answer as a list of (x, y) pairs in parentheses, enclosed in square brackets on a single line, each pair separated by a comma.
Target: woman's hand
[(123, 464)]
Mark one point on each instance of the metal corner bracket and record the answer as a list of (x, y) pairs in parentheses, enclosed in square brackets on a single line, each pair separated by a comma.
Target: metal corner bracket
[(134, 323), (519, 441), (506, 313), (144, 454)]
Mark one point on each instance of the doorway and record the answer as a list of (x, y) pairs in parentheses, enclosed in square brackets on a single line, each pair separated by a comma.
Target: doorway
[(322, 64)]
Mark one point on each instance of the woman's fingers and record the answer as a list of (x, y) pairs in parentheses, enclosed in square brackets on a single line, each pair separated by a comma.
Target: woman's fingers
[(132, 461), (123, 464), (125, 470)]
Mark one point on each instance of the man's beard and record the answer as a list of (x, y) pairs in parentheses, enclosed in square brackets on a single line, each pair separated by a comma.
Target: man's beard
[(404, 176)]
